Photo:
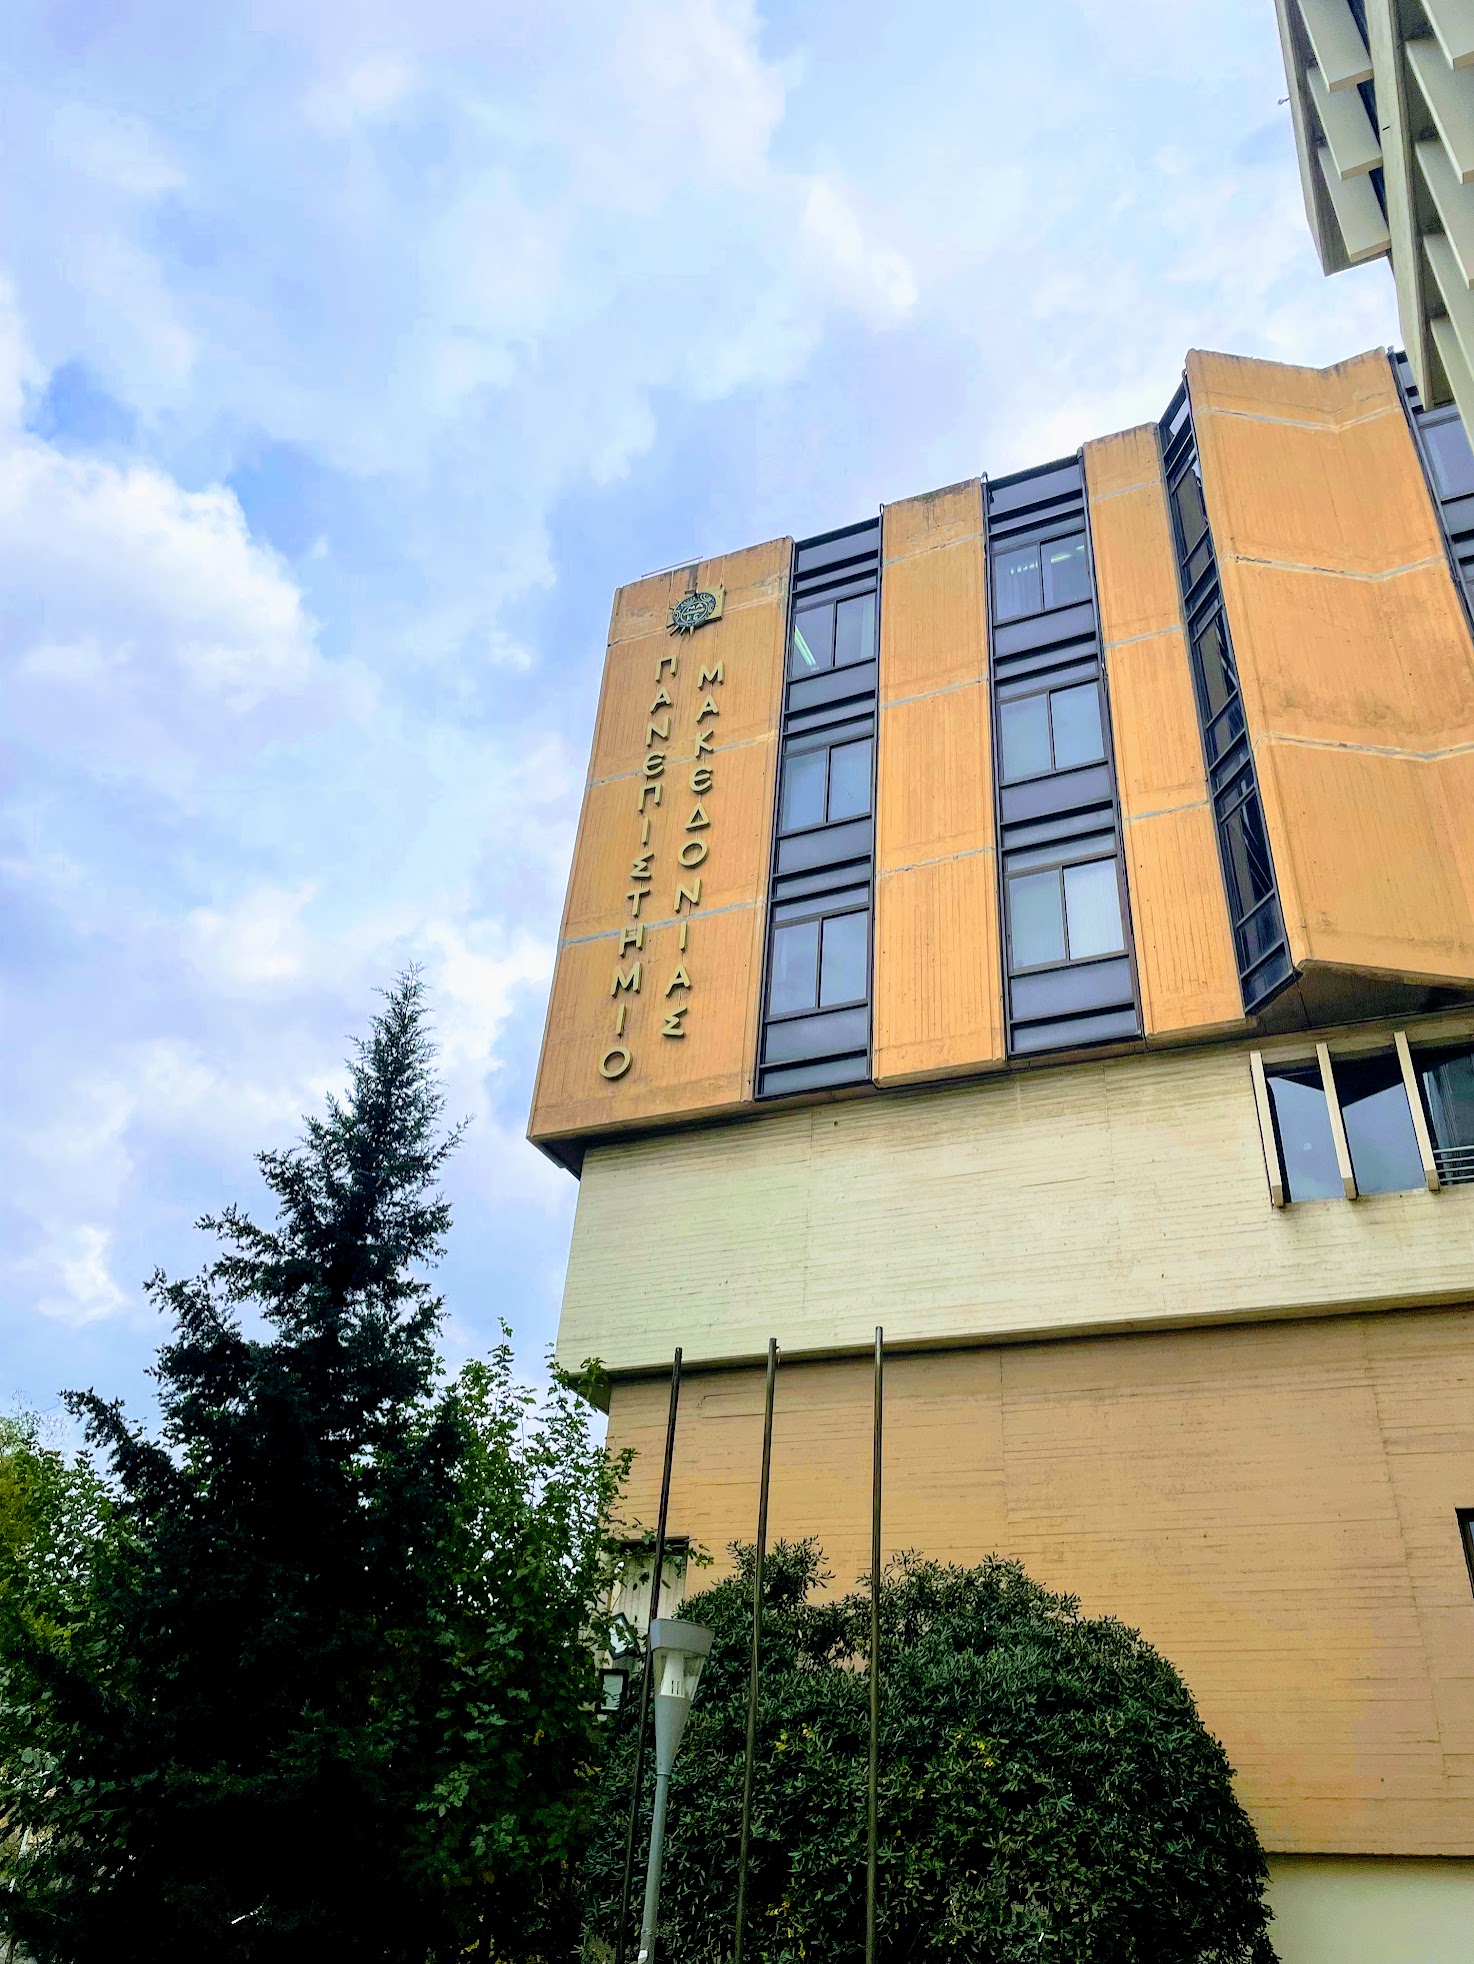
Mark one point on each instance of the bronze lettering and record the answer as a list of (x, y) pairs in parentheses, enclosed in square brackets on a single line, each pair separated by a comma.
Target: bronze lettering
[(619, 1016), (693, 852), (631, 937), (655, 763), (684, 926), (645, 829), (630, 981), (640, 868), (614, 1063), (673, 662), (635, 897), (708, 708), (704, 745), (691, 895), (654, 733), (708, 675), (662, 701), (702, 780), (672, 1025), (647, 791), (680, 980), (697, 819)]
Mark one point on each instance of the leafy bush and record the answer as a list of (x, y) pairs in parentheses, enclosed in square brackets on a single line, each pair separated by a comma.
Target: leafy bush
[(1047, 1789)]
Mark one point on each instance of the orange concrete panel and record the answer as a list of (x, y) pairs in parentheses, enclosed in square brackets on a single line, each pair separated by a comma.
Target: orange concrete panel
[(693, 721), (932, 626), (706, 1069), (1184, 950), (1361, 850), (938, 1004), (938, 991), (1245, 385), (935, 797)]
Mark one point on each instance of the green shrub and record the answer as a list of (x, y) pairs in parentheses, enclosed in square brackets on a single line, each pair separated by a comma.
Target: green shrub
[(1047, 1789)]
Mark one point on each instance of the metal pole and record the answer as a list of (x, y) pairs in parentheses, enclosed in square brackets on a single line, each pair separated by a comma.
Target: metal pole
[(652, 1873), (757, 1618), (871, 1870), (644, 1718)]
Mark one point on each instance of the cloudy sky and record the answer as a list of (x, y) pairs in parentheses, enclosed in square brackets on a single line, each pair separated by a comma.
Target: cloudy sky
[(349, 356)]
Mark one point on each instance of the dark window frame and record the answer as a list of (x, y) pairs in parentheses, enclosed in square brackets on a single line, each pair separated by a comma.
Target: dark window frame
[(821, 914), (1049, 691), (1037, 538), (1464, 1516), (808, 746), (1060, 867)]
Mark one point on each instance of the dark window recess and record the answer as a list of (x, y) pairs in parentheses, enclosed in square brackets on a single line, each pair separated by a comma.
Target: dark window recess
[(1448, 465), (1465, 1518), (1379, 1124), (1302, 1129), (816, 1006), (1067, 959), (1447, 1081), (1260, 944)]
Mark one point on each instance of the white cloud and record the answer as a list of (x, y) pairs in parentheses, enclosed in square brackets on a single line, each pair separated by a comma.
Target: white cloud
[(258, 940)]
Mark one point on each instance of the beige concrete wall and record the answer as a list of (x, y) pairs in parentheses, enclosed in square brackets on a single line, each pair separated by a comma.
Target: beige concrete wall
[(1350, 1910), (1119, 1193), (1272, 1506)]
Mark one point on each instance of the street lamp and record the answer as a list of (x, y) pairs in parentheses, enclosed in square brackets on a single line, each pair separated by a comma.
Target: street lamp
[(677, 1653)]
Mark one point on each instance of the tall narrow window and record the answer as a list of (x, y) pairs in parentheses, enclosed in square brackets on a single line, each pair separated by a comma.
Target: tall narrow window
[(1379, 1123), (1302, 1123), (1447, 1080)]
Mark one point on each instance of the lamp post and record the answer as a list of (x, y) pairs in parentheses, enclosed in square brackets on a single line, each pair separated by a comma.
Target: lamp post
[(677, 1653)]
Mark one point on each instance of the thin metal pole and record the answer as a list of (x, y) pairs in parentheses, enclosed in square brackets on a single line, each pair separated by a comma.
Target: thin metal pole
[(621, 1933), (871, 1868), (757, 1619)]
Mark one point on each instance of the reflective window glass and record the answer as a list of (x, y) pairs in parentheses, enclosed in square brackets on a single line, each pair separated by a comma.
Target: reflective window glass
[(849, 780), (795, 968), (1192, 515), (1024, 729), (1078, 738), (1448, 1091), (1248, 856), (1379, 1125), (1303, 1123), (1036, 922), (803, 790), (844, 961), (813, 641), (1093, 909), (1066, 575), (1215, 665), (1017, 588), (1450, 455), (854, 630)]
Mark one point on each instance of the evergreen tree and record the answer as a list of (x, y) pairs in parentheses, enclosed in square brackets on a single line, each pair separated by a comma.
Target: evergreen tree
[(329, 1693)]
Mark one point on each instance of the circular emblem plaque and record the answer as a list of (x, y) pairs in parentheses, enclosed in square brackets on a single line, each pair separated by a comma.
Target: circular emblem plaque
[(691, 612)]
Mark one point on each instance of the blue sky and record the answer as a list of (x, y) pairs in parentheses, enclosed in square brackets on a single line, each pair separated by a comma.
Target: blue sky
[(350, 355)]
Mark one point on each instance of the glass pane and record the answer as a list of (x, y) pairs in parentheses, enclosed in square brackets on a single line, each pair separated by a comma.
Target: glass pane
[(1304, 1127), (803, 790), (1450, 455), (1066, 576), (1192, 516), (1215, 665), (1016, 584), (795, 968), (843, 969), (1448, 1087), (813, 641), (854, 630), (1075, 714), (1248, 856), (1036, 922), (1379, 1126), (1024, 727), (1093, 909), (849, 780)]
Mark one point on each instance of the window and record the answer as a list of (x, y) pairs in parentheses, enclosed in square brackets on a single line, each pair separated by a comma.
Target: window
[(1053, 732), (833, 634), (1302, 1125), (820, 964), (1223, 714), (1192, 513), (825, 785), (1449, 454), (1251, 871), (1447, 1079), (1065, 914), (1465, 1518), (1379, 1124), (1033, 578)]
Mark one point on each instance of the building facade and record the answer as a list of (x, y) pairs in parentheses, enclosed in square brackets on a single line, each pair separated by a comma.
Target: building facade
[(1382, 101), (1038, 919)]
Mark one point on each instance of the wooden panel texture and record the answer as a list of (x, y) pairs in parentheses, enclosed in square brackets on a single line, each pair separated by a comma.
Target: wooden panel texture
[(1118, 1193), (1273, 1507), (1184, 949), (1354, 658), (938, 1001), (703, 710)]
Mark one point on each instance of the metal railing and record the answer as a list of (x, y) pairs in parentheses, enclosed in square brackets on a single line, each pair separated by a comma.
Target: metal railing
[(1455, 1165)]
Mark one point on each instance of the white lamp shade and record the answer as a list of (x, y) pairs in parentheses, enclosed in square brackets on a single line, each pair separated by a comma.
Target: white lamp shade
[(677, 1652)]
